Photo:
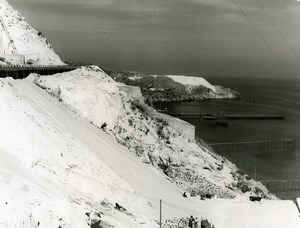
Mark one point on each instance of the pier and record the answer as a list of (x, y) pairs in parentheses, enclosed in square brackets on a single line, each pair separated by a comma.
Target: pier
[(255, 117), (19, 71), (203, 118), (254, 146)]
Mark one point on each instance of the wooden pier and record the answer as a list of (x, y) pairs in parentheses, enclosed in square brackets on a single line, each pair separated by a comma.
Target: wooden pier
[(255, 117), (254, 146), (211, 116)]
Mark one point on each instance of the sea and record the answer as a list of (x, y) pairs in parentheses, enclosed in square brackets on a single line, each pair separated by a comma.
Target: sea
[(274, 96)]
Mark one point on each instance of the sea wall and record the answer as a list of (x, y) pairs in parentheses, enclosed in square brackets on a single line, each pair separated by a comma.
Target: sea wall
[(184, 128), (132, 91)]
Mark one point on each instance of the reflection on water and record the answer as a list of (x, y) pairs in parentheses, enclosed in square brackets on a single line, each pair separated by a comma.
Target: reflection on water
[(276, 96)]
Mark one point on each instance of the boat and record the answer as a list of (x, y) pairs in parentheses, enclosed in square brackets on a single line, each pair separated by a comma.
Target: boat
[(162, 109), (223, 123), (209, 116)]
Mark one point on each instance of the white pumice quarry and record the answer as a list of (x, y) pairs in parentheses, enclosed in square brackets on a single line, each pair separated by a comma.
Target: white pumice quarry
[(92, 94), (59, 168)]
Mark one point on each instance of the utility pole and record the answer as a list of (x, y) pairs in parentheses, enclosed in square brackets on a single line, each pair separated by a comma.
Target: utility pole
[(160, 213), (254, 172)]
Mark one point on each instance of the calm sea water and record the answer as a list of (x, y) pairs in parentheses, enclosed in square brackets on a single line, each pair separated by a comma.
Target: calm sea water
[(260, 96)]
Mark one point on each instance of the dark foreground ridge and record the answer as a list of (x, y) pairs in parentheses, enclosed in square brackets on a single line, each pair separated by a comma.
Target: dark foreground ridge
[(19, 72)]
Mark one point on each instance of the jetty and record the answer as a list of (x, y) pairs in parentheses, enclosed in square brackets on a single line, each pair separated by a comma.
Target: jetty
[(212, 116), (254, 146), (200, 118)]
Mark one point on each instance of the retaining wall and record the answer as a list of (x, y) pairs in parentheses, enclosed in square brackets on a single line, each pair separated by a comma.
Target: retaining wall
[(183, 127), (132, 91)]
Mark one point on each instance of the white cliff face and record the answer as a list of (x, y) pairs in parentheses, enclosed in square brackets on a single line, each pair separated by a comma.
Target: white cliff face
[(95, 96), (20, 43), (214, 91), (49, 176), (192, 81)]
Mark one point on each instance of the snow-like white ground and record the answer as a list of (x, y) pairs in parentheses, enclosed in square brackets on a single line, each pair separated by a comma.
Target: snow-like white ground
[(51, 170), (192, 81), (56, 166), (241, 213), (146, 180), (28, 42)]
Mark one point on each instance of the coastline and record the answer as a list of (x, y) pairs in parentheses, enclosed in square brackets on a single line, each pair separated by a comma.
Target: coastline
[(272, 97), (163, 88)]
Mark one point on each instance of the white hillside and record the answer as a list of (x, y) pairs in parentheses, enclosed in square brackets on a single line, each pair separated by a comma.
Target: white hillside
[(92, 94), (49, 174), (20, 43), (59, 170), (213, 91), (192, 81)]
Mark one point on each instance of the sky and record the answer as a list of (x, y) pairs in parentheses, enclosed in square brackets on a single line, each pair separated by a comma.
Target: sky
[(246, 38)]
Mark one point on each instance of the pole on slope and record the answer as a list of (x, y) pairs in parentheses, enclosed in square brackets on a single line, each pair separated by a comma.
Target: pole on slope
[(254, 172), (160, 213)]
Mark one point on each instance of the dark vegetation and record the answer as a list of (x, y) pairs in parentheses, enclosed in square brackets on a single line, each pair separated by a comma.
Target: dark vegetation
[(158, 88), (185, 222)]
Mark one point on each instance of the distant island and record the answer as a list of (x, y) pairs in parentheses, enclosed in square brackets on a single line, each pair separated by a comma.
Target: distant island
[(167, 88)]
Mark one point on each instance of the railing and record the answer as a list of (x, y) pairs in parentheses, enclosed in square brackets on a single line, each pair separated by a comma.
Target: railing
[(28, 66), (22, 71)]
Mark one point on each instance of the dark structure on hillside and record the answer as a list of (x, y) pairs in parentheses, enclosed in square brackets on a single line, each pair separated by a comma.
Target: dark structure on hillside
[(19, 72)]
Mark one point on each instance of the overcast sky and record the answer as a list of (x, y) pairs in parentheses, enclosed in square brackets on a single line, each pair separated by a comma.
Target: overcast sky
[(191, 37)]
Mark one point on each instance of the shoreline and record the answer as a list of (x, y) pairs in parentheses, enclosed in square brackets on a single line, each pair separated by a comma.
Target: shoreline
[(270, 98)]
